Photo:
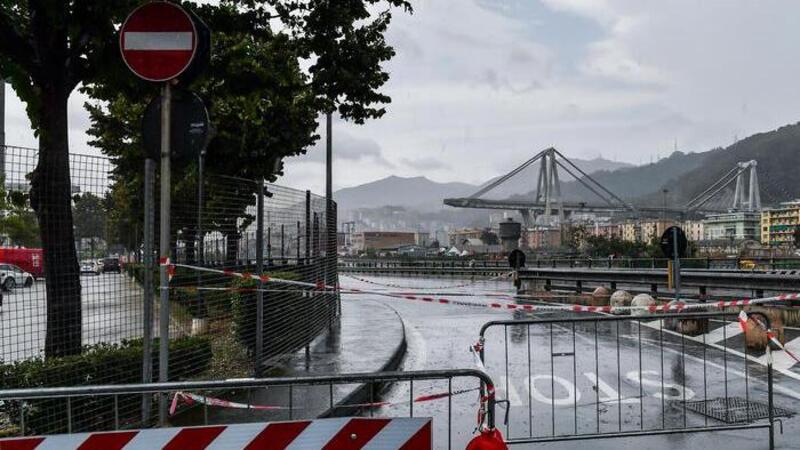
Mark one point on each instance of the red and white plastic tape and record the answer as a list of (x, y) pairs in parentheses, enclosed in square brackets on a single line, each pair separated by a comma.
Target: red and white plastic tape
[(675, 307), (332, 434), (743, 318), (191, 399), (451, 286)]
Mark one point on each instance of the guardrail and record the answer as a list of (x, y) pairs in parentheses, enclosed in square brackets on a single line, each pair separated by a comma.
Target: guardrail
[(44, 411), (610, 376), (702, 281), (738, 263)]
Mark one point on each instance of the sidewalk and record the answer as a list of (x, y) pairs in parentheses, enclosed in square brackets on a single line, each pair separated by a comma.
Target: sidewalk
[(369, 338)]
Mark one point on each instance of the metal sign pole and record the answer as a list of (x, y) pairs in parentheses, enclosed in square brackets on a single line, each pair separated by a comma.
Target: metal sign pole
[(147, 332), (676, 265), (259, 360), (163, 244)]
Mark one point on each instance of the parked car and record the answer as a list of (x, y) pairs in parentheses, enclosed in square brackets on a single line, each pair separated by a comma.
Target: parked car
[(111, 265), (89, 266), (12, 276)]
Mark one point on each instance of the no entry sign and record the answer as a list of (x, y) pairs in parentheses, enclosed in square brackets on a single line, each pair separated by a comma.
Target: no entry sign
[(158, 41)]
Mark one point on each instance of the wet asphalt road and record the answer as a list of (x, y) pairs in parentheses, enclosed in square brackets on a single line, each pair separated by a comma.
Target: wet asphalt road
[(604, 379), (112, 311)]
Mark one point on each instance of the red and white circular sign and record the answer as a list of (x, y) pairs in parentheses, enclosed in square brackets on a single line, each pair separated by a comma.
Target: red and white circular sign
[(158, 41)]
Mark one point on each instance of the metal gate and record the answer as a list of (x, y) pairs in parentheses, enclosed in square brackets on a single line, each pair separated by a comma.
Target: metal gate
[(444, 395), (569, 378)]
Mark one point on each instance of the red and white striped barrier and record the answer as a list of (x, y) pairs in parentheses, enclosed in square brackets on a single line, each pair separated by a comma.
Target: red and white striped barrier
[(331, 434)]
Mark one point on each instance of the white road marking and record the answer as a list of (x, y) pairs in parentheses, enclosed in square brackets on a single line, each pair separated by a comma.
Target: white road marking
[(161, 40), (756, 359), (780, 359), (740, 374), (722, 333)]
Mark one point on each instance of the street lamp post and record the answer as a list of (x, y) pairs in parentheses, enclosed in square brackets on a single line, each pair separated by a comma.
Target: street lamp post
[(330, 225)]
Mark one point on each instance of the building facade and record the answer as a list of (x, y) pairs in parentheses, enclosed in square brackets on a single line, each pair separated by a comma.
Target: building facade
[(733, 226), (693, 230), (542, 238), (778, 225), (456, 237), (382, 240), (607, 230), (654, 229), (631, 231)]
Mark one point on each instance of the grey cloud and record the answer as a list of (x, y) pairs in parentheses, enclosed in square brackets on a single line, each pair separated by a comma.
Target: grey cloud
[(349, 148), (425, 163)]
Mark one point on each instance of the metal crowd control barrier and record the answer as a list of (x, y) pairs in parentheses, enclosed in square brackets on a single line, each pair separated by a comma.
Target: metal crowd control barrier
[(118, 407), (573, 378)]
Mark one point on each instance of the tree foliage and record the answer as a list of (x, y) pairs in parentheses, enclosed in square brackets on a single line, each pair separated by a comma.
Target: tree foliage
[(90, 216), (47, 48), (263, 106), (18, 226), (263, 103), (345, 41), (489, 238)]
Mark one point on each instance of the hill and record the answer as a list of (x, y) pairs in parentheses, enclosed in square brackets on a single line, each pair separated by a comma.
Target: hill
[(685, 175), (412, 192), (777, 153)]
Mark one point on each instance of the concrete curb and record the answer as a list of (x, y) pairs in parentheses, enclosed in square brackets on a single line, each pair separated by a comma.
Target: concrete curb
[(361, 394)]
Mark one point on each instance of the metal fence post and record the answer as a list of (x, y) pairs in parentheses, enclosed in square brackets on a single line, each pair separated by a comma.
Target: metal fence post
[(259, 283), (283, 244), (147, 280), (308, 227), (164, 241)]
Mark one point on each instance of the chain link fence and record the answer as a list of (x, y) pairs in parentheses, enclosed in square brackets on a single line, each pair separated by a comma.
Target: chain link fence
[(107, 291)]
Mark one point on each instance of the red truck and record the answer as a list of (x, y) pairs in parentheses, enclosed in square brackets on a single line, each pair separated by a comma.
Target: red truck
[(30, 260)]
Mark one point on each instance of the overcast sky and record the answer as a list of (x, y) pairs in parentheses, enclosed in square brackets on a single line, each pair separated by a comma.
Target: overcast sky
[(479, 86)]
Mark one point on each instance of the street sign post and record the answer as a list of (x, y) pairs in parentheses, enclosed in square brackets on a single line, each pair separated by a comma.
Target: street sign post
[(190, 127), (158, 42), (673, 241), (674, 245), (516, 259)]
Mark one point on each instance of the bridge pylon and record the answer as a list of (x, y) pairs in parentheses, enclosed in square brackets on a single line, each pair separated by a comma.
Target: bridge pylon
[(746, 193)]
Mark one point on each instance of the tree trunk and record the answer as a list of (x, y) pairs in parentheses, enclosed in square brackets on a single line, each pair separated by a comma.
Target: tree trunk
[(50, 198)]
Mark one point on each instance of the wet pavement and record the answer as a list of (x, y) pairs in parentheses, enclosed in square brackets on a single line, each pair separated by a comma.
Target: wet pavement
[(343, 349), (112, 311), (601, 384)]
